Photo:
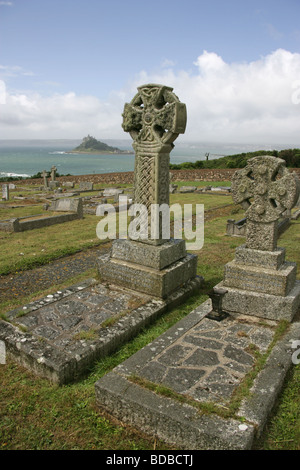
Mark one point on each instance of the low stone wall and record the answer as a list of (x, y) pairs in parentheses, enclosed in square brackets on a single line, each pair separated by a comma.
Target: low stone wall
[(17, 225), (127, 177), (45, 222), (9, 225)]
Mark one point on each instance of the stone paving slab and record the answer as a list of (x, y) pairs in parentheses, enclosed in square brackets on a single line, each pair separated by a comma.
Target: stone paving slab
[(60, 336), (203, 361)]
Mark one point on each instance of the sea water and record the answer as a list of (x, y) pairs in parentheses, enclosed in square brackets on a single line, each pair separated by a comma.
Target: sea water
[(26, 158)]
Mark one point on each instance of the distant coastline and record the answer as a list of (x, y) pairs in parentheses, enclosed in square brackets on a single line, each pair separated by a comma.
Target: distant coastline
[(101, 152)]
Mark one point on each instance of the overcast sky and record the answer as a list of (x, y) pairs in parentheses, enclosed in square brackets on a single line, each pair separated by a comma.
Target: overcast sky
[(68, 66)]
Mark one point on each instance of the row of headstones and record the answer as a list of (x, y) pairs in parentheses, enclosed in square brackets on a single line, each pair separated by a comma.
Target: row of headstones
[(53, 184), (196, 189)]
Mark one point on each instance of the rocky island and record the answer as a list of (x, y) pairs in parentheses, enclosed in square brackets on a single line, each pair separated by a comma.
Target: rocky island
[(91, 145)]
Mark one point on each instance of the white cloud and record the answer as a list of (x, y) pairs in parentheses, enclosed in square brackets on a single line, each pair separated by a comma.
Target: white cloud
[(238, 102), (8, 71), (59, 116), (7, 4)]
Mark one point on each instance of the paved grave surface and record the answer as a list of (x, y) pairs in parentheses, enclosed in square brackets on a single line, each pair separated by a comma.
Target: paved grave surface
[(201, 361), (60, 336)]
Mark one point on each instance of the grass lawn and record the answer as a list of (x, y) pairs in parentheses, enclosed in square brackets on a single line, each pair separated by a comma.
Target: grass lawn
[(37, 415)]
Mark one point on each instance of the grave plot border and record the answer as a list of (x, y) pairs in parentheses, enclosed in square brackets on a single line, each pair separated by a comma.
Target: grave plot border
[(181, 424), (47, 361)]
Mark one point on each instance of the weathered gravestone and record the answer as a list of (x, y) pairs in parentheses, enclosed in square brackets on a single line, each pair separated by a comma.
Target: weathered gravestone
[(68, 205), (5, 192), (45, 180), (154, 265), (53, 183), (53, 173), (69, 184), (86, 186), (206, 356), (187, 189), (111, 192), (259, 281)]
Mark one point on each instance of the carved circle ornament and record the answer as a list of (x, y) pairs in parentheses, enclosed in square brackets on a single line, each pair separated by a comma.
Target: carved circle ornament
[(265, 188), (155, 115)]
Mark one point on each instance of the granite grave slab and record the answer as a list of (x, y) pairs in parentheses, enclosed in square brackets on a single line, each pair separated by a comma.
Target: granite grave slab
[(182, 386), (60, 336)]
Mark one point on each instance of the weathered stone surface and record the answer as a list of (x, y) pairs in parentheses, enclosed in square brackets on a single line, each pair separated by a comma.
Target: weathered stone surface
[(273, 307), (156, 266), (259, 281), (53, 172), (86, 186), (5, 192), (257, 406), (60, 336), (205, 361), (154, 118), (152, 256), (67, 205), (253, 278), (234, 228), (187, 189), (68, 184), (265, 179), (45, 179), (266, 188), (261, 236), (159, 283), (111, 192), (267, 259), (53, 184)]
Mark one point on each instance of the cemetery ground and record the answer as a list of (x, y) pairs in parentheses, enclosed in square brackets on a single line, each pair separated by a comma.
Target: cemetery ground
[(37, 415)]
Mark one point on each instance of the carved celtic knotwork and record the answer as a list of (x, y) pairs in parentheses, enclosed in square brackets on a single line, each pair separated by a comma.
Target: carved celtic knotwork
[(265, 188), (154, 115), (145, 181)]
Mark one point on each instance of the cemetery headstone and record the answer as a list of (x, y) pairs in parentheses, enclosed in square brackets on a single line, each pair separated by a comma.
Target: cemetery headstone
[(5, 192), (259, 281), (187, 189), (86, 186), (69, 184), (154, 118), (53, 172), (67, 205), (53, 184), (45, 180), (111, 192)]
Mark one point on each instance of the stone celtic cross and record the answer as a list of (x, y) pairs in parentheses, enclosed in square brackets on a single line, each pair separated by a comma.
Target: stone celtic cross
[(154, 118), (265, 188), (53, 172), (45, 175)]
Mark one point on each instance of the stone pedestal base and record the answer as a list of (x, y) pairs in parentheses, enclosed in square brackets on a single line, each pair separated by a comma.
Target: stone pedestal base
[(258, 279), (261, 283), (272, 307), (155, 270)]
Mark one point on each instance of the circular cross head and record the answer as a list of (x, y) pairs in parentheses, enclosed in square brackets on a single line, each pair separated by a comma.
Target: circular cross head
[(265, 188), (155, 114)]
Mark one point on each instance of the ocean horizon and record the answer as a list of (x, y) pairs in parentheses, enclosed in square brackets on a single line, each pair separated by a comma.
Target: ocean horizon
[(25, 158)]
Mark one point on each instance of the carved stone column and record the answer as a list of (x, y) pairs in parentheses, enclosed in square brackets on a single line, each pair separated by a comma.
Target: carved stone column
[(156, 266), (154, 118)]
